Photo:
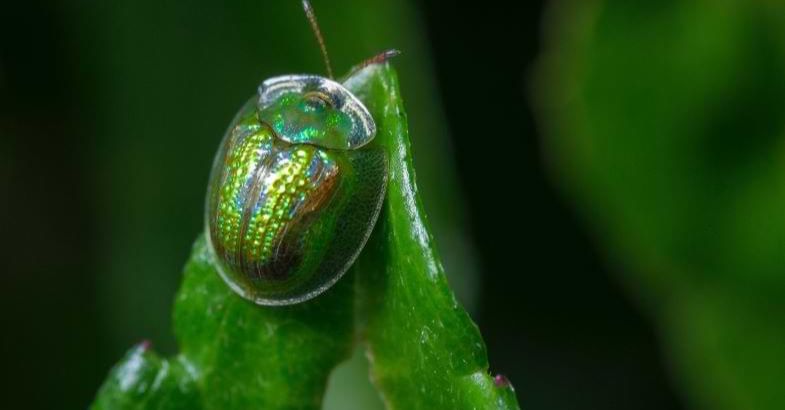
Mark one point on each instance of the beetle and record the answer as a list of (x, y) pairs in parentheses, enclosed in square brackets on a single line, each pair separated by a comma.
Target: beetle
[(295, 188)]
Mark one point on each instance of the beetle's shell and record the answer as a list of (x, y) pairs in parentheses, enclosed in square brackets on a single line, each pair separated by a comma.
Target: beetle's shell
[(285, 221)]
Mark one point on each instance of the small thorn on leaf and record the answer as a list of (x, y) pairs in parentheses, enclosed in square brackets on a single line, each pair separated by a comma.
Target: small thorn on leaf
[(501, 380)]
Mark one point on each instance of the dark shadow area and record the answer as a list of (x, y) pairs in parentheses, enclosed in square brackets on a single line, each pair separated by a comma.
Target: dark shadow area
[(554, 317)]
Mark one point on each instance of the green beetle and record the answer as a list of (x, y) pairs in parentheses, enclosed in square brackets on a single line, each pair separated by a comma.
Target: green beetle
[(295, 189)]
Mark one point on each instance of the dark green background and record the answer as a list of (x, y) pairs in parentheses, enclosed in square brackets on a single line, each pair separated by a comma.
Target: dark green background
[(110, 113)]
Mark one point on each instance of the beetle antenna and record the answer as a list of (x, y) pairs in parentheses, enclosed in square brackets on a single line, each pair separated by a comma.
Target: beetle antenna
[(315, 27), (377, 59)]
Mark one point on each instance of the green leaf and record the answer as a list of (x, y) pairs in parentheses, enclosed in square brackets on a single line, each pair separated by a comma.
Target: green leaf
[(235, 354), (666, 121), (425, 350)]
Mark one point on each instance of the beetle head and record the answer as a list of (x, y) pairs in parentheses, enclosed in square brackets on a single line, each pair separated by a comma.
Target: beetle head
[(308, 109)]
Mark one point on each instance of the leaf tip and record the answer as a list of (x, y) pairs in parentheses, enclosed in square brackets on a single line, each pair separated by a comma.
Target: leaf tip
[(501, 380)]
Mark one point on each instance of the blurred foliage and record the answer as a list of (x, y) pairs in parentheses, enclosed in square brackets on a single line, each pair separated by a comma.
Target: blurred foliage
[(665, 122), (425, 351)]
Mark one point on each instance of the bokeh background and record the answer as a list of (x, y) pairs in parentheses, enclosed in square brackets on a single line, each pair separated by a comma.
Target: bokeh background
[(606, 182)]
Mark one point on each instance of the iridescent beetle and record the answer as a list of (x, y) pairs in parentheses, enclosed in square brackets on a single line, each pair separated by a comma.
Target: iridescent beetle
[(295, 190)]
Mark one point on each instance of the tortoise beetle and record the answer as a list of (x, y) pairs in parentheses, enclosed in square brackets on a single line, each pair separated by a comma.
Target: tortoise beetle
[(295, 190)]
